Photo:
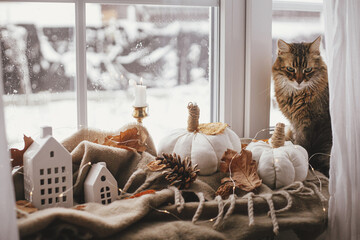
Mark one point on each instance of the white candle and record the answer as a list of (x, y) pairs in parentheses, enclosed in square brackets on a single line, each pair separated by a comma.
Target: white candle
[(140, 95)]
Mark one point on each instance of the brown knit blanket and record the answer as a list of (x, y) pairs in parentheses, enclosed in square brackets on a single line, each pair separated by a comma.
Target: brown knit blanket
[(169, 213)]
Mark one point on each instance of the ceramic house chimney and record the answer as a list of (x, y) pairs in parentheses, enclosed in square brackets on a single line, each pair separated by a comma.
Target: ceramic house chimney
[(46, 131)]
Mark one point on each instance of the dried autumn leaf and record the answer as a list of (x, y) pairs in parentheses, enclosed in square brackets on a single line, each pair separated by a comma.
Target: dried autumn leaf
[(244, 145), (18, 155), (130, 139), (264, 140), (25, 206), (150, 191), (212, 128), (156, 165), (224, 190), (243, 171), (80, 207)]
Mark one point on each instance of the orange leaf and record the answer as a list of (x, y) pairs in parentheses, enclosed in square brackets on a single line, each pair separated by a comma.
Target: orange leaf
[(130, 139), (80, 207), (17, 155), (243, 171), (264, 140), (150, 191)]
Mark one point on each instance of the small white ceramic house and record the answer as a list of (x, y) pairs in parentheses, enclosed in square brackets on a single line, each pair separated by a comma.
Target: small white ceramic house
[(100, 186), (48, 173)]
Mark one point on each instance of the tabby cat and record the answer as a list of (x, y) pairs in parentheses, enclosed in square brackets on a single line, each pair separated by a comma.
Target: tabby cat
[(302, 92)]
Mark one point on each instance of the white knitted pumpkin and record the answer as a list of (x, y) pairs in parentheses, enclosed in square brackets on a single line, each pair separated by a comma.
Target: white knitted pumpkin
[(280, 163), (203, 149)]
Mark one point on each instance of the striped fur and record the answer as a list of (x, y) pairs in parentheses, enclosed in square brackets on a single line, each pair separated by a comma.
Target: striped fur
[(301, 90)]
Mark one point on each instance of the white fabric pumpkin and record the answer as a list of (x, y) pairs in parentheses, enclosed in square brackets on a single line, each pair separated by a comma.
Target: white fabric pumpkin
[(280, 166), (203, 150)]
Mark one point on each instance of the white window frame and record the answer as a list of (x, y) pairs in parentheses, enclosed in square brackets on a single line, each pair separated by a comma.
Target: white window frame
[(245, 65)]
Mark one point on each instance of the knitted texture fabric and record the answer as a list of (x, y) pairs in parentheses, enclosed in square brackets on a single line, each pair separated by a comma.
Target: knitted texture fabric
[(169, 213)]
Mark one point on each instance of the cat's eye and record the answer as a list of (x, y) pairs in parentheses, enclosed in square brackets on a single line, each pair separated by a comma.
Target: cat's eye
[(307, 70), (290, 69)]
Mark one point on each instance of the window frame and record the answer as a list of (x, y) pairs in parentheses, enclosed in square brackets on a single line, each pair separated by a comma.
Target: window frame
[(244, 89)]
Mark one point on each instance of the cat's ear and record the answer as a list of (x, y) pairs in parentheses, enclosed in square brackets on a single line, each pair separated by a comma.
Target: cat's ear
[(315, 46), (283, 47)]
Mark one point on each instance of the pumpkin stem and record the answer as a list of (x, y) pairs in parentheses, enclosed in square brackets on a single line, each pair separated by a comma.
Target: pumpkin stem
[(278, 138), (193, 119)]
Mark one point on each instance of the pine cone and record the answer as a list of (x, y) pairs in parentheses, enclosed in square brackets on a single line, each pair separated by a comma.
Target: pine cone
[(179, 173)]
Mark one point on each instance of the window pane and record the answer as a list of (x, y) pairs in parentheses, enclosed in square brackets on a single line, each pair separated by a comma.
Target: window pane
[(38, 68), (293, 21), (165, 47)]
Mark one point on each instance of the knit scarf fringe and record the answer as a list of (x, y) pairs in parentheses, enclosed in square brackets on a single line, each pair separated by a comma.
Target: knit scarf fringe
[(306, 188)]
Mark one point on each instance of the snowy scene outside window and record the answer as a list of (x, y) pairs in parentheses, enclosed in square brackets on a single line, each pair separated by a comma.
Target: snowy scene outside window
[(294, 21), (37, 49), (167, 48)]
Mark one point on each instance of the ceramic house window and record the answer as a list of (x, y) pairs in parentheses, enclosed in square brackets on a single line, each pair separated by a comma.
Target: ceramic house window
[(105, 195)]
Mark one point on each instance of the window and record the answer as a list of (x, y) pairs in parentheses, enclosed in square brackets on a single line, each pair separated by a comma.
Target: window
[(37, 68), (171, 48), (165, 47), (238, 90), (103, 178), (293, 21)]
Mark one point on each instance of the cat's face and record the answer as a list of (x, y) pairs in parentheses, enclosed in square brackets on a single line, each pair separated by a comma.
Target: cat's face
[(298, 65)]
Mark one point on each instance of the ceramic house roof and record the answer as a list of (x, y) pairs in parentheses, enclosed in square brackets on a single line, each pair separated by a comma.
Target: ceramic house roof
[(40, 144)]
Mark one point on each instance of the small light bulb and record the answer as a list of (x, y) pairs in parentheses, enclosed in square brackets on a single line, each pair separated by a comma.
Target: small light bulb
[(61, 195), (324, 209)]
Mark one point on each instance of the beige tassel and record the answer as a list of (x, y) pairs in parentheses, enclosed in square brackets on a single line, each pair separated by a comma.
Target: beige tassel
[(278, 138), (193, 119)]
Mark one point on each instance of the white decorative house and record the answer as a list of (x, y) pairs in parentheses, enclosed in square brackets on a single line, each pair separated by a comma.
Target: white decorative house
[(48, 173), (100, 186)]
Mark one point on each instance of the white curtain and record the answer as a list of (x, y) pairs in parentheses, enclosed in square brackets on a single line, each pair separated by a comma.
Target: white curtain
[(8, 225), (342, 38)]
